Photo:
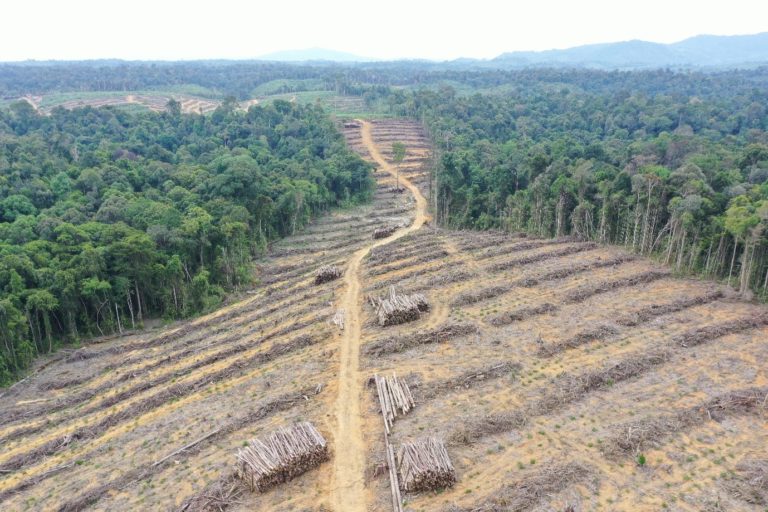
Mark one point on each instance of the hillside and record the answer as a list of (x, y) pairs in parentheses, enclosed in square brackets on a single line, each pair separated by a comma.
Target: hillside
[(699, 51), (549, 366)]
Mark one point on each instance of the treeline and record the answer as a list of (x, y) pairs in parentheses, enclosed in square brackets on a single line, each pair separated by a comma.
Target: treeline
[(682, 173), (220, 78), (239, 78), (108, 217)]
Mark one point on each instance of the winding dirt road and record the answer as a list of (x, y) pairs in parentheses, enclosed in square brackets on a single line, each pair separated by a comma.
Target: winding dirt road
[(348, 485)]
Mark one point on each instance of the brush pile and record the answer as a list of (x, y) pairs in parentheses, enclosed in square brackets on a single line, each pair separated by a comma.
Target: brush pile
[(700, 335), (750, 481), (522, 313), (634, 437), (535, 258), (598, 333), (590, 290), (397, 308), (401, 343), (529, 491), (655, 310), (424, 465), (384, 232), (216, 497), (327, 273), (285, 454), (475, 296), (467, 380)]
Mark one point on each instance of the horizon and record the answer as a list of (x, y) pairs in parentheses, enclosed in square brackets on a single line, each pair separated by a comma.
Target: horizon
[(174, 31), (362, 58)]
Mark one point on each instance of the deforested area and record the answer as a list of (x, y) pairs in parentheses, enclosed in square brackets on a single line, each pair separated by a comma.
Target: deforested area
[(411, 297)]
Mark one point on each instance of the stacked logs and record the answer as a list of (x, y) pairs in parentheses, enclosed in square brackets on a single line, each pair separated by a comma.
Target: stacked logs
[(285, 454), (384, 232), (327, 273), (399, 308), (395, 398), (338, 319), (424, 465)]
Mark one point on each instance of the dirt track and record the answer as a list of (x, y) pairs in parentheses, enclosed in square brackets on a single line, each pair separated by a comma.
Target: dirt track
[(348, 487)]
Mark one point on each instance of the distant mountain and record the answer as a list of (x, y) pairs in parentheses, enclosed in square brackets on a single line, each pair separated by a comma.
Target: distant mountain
[(313, 54), (698, 51)]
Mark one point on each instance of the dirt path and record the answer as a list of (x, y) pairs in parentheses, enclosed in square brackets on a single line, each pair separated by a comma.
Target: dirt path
[(348, 486)]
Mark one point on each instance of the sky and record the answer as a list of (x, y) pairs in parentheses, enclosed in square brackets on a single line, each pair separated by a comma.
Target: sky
[(389, 29)]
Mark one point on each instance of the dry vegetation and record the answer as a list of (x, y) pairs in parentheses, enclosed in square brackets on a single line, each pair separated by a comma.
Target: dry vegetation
[(560, 375)]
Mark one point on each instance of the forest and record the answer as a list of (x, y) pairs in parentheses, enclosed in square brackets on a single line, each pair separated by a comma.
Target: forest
[(664, 163), (109, 217)]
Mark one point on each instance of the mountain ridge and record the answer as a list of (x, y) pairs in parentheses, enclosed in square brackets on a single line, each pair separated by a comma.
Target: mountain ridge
[(697, 51)]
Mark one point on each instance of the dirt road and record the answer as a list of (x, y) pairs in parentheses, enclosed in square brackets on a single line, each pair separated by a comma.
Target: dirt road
[(348, 485)]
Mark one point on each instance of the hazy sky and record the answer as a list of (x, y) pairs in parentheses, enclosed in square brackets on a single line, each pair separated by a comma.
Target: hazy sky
[(171, 29)]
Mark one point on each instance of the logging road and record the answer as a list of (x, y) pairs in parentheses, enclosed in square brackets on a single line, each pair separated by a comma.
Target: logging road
[(348, 485)]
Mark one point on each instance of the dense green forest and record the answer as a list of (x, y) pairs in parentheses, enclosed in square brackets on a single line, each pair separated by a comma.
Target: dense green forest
[(108, 217), (667, 163)]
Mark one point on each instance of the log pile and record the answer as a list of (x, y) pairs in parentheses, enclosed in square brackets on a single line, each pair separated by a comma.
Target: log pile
[(397, 308), (338, 319), (285, 454), (424, 465), (395, 398), (327, 273), (384, 232)]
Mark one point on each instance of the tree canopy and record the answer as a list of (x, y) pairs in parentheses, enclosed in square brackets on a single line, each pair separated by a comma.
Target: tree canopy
[(108, 217), (672, 164)]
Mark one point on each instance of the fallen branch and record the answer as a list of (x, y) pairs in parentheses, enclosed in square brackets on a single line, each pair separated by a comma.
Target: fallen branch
[(186, 447)]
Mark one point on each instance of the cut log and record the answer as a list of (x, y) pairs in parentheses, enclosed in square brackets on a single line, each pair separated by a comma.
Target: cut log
[(424, 465), (395, 398), (399, 308), (283, 455), (327, 273), (338, 319)]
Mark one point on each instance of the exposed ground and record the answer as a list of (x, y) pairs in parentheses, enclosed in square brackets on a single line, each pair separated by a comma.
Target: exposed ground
[(144, 100), (190, 104), (548, 366)]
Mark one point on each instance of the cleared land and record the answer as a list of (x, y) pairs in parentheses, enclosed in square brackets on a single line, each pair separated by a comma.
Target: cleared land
[(547, 366), (146, 100), (156, 101)]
